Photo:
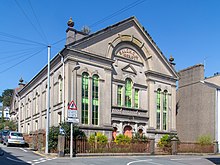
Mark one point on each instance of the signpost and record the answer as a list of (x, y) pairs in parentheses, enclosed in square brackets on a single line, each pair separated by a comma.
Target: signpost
[(72, 118)]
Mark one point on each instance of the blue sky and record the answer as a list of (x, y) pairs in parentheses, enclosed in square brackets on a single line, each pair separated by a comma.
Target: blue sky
[(189, 30)]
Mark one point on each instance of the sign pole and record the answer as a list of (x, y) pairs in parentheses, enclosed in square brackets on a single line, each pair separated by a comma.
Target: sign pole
[(71, 140)]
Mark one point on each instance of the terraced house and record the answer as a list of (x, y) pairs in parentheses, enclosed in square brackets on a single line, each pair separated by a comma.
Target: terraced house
[(118, 77)]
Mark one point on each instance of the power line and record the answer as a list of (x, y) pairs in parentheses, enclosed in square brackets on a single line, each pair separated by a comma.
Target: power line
[(28, 19), (20, 38), (118, 12), (17, 55), (21, 61), (45, 37)]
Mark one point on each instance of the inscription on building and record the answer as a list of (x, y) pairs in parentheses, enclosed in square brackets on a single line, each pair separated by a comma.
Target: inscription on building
[(128, 53)]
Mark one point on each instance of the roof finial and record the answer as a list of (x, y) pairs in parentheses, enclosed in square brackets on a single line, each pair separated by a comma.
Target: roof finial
[(171, 59), (70, 23)]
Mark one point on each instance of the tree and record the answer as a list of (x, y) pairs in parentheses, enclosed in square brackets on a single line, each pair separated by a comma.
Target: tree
[(6, 97)]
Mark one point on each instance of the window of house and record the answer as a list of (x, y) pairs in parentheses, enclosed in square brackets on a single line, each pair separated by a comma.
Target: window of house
[(95, 101), (60, 89), (158, 108), (136, 98), (119, 95), (36, 103), (85, 99), (128, 92), (165, 110)]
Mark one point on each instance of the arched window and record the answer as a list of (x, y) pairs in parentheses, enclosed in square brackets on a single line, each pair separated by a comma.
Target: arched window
[(36, 103), (165, 110), (85, 99), (128, 92), (95, 99), (119, 95), (60, 80), (158, 107)]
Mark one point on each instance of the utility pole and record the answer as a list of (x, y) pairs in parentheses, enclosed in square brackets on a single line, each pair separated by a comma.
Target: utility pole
[(48, 99)]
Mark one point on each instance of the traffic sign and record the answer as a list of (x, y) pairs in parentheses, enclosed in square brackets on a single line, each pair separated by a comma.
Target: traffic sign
[(73, 120), (72, 113), (72, 105)]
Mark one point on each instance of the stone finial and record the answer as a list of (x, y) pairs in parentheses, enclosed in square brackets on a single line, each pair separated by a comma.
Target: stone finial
[(171, 59), (70, 23), (21, 81)]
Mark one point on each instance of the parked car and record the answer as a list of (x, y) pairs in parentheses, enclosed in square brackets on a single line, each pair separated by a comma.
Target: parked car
[(1, 140), (14, 138), (3, 134)]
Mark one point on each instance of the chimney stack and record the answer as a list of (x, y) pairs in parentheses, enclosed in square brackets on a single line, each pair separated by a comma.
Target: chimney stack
[(72, 34)]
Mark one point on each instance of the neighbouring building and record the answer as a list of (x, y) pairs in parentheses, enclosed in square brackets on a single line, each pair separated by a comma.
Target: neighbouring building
[(118, 77), (198, 105), (15, 102), (5, 112)]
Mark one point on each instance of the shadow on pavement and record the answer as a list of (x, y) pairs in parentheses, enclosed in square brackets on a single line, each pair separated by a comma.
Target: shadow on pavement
[(214, 160), (7, 159)]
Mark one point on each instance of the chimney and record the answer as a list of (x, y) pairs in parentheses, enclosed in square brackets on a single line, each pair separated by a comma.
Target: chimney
[(72, 34)]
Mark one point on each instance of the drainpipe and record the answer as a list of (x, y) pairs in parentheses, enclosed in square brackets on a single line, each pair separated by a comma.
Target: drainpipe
[(63, 86)]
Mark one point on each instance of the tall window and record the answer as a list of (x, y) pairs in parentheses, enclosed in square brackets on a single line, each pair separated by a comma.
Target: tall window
[(60, 89), (119, 95), (136, 98), (85, 99), (165, 110), (128, 92), (95, 100), (158, 108), (36, 103)]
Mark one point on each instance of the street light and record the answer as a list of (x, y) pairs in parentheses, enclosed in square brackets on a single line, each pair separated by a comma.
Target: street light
[(75, 98)]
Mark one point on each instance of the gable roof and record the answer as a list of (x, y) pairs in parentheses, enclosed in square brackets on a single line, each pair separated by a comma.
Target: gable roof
[(144, 31)]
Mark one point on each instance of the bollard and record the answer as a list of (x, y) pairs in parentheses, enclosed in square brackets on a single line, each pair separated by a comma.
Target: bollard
[(152, 145)]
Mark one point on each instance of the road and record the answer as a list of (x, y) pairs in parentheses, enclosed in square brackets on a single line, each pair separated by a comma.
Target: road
[(24, 156), (20, 156)]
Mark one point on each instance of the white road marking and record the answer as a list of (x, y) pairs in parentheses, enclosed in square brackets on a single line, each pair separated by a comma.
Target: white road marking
[(137, 161), (186, 159), (23, 149)]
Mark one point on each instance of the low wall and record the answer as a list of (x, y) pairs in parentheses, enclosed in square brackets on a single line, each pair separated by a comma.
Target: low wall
[(187, 147)]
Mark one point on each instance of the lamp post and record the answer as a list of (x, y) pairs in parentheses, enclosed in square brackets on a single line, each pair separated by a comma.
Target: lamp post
[(48, 100), (75, 98)]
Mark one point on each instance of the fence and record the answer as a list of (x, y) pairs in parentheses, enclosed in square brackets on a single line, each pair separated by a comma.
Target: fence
[(81, 145)]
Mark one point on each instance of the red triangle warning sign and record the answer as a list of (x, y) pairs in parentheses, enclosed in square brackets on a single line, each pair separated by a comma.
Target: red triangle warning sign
[(72, 105)]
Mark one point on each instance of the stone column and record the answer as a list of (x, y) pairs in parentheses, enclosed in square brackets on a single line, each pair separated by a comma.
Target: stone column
[(61, 145), (174, 146), (173, 108), (151, 105), (152, 145)]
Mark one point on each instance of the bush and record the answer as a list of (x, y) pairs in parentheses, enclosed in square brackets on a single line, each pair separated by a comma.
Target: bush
[(122, 139), (101, 139), (204, 140), (165, 141), (139, 138)]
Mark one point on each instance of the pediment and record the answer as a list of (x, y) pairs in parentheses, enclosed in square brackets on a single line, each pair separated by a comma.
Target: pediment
[(129, 68)]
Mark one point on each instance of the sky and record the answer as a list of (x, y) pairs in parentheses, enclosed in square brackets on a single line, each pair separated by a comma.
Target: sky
[(189, 30)]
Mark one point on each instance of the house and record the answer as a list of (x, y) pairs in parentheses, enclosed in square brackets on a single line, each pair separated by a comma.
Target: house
[(118, 78), (198, 102)]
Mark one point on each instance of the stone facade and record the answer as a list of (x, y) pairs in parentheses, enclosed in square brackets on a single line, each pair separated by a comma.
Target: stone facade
[(113, 76), (197, 105)]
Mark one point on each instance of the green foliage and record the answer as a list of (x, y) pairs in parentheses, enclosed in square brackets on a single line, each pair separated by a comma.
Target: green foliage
[(9, 124), (139, 138), (6, 97), (122, 139), (165, 141), (101, 138), (55, 131), (204, 140)]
